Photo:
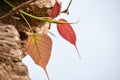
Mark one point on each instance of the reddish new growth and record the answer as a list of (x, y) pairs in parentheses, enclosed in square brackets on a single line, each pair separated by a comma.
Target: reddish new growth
[(39, 46)]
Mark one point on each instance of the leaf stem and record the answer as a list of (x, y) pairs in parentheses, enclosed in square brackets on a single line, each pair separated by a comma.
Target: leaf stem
[(46, 19), (25, 4), (27, 22), (9, 3)]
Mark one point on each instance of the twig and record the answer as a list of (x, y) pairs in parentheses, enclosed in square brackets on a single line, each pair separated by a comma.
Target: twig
[(46, 19), (17, 8), (66, 10)]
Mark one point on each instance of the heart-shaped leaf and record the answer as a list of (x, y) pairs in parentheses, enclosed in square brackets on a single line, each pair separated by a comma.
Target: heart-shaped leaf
[(67, 32), (39, 47)]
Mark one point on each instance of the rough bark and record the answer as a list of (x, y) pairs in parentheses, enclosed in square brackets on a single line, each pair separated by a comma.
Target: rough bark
[(11, 67), (12, 34)]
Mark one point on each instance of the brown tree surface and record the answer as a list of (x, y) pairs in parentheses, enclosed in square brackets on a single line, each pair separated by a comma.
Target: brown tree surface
[(13, 34)]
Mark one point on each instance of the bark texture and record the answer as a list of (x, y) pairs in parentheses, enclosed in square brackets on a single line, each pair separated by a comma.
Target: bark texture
[(11, 67), (12, 32)]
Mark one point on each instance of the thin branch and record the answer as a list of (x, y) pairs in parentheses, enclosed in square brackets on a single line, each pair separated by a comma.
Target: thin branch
[(66, 10), (16, 8), (27, 22), (46, 19)]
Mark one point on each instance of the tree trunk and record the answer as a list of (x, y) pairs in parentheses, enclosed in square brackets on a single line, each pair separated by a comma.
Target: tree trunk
[(11, 50), (11, 67)]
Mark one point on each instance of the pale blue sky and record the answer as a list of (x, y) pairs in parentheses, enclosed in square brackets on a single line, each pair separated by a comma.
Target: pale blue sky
[(98, 40)]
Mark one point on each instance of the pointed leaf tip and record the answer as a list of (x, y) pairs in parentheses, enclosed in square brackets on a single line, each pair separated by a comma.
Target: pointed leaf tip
[(78, 52), (67, 32), (39, 47)]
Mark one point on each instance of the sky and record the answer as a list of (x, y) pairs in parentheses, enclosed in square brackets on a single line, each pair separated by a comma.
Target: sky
[(98, 41)]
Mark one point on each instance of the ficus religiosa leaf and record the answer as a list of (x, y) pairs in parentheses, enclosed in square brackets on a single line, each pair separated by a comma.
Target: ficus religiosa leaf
[(39, 47), (55, 11), (67, 32)]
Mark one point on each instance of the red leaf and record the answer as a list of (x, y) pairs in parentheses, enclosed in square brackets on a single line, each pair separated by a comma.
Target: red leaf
[(67, 32), (55, 11), (39, 47)]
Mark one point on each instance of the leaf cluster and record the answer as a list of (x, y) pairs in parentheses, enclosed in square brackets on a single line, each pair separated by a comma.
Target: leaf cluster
[(39, 45)]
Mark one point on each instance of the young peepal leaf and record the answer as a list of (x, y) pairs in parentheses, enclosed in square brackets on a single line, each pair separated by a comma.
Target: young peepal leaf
[(55, 10), (39, 47), (67, 32)]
